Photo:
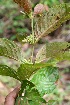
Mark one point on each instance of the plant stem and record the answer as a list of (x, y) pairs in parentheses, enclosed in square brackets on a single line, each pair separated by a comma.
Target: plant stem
[(32, 54), (32, 25)]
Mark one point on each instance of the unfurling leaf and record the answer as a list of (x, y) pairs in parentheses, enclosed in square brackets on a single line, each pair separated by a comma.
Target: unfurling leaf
[(51, 20), (8, 71), (44, 79), (10, 49), (56, 50), (26, 4)]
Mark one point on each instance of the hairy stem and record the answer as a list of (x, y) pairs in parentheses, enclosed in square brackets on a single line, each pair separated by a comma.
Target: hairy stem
[(32, 54), (32, 25)]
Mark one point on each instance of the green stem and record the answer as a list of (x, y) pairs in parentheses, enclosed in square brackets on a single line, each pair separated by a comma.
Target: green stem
[(32, 54), (32, 25)]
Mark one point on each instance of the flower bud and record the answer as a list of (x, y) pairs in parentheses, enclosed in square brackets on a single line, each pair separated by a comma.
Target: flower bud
[(26, 4), (40, 8)]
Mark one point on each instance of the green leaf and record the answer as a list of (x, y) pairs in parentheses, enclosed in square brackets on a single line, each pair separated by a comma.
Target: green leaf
[(7, 71), (45, 79), (51, 20), (25, 71), (57, 50), (10, 49), (52, 102), (31, 95)]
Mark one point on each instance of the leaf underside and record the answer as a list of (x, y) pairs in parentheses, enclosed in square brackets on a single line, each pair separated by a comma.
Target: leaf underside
[(10, 49), (58, 50), (55, 50), (41, 55), (51, 20)]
